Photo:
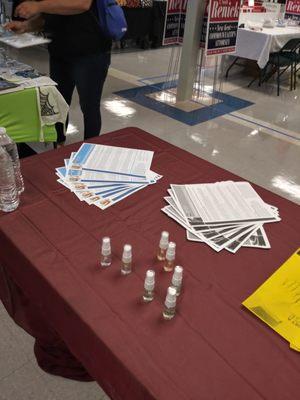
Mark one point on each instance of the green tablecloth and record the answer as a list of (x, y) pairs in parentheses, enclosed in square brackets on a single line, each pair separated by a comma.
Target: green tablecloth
[(20, 116)]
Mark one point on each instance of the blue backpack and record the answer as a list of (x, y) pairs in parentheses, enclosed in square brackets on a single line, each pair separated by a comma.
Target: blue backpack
[(111, 19)]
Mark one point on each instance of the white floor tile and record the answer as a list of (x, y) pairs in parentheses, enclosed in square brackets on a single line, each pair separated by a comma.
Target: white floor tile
[(16, 347), (25, 384), (66, 389)]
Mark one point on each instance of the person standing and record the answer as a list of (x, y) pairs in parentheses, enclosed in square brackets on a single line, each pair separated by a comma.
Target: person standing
[(79, 52)]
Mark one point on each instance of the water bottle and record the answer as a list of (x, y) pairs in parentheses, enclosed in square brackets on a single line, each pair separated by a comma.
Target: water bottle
[(11, 148), (9, 197)]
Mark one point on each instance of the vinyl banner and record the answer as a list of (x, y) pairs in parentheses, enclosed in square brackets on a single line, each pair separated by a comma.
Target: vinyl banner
[(222, 28), (292, 9)]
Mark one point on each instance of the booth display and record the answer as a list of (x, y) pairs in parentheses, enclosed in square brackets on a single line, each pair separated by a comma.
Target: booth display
[(19, 114), (91, 323), (30, 104)]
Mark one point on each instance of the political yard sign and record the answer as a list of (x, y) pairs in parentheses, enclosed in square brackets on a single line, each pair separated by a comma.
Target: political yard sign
[(292, 10), (223, 20)]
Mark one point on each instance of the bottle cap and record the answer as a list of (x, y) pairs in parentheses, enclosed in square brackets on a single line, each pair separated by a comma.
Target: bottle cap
[(178, 270), (164, 240), (149, 280), (106, 249), (171, 251), (171, 298), (127, 253), (177, 276)]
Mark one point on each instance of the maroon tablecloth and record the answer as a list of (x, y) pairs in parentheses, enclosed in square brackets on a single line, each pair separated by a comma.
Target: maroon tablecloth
[(52, 285)]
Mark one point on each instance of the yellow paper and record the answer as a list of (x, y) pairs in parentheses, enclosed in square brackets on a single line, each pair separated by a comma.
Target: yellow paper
[(277, 301), (293, 347)]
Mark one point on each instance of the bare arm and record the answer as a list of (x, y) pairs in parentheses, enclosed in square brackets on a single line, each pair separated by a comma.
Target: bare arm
[(64, 7), (34, 24), (29, 9)]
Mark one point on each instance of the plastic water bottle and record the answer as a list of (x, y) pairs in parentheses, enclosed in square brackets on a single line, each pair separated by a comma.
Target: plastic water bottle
[(9, 197), (11, 148)]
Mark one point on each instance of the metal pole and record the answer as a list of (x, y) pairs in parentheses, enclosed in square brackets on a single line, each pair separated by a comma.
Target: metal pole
[(190, 49)]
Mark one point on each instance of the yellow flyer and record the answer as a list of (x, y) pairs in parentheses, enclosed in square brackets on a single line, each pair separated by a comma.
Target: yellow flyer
[(277, 301)]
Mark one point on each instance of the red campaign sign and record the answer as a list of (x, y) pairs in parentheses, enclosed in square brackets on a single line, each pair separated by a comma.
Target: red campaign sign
[(174, 6), (182, 20), (175, 22), (222, 26), (204, 26), (184, 6), (224, 10), (292, 9)]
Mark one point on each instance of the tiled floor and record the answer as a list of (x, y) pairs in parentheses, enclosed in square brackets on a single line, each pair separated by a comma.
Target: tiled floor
[(22, 379), (260, 143)]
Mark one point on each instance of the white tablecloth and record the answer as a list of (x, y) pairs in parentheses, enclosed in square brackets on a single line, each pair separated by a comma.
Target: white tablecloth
[(258, 45), (257, 17)]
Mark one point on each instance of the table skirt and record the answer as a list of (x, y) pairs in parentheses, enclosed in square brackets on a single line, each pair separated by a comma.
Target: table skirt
[(51, 353)]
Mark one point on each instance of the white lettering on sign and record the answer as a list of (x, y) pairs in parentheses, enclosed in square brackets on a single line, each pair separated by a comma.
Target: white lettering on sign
[(227, 11), (174, 4), (293, 7), (184, 4)]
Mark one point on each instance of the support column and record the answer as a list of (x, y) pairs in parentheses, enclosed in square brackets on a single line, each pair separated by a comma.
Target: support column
[(190, 49)]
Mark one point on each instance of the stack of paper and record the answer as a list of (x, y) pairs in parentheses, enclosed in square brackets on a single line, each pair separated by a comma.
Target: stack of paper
[(7, 86), (16, 76), (224, 215), (104, 175), (19, 41), (277, 301)]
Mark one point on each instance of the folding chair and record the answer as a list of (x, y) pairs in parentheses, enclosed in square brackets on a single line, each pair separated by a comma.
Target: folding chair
[(287, 57)]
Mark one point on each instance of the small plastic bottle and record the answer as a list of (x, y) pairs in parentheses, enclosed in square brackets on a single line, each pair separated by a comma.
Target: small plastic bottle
[(163, 245), (9, 197), (149, 286), (170, 304), (105, 253), (177, 279), (10, 146), (126, 260), (170, 257)]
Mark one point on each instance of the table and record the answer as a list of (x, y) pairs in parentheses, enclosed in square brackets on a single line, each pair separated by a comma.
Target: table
[(19, 114), (52, 285), (30, 111), (258, 45), (260, 17)]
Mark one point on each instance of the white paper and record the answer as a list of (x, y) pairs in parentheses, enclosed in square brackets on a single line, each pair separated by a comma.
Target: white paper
[(133, 163), (221, 202), (224, 215), (20, 41), (103, 188)]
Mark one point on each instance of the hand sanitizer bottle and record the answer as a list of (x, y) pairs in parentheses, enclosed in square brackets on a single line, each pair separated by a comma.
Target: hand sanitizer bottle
[(170, 257), (170, 304), (105, 253), (163, 245), (177, 279), (126, 260), (149, 286)]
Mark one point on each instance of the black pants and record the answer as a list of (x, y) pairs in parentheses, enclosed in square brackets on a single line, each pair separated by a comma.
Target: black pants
[(87, 74)]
